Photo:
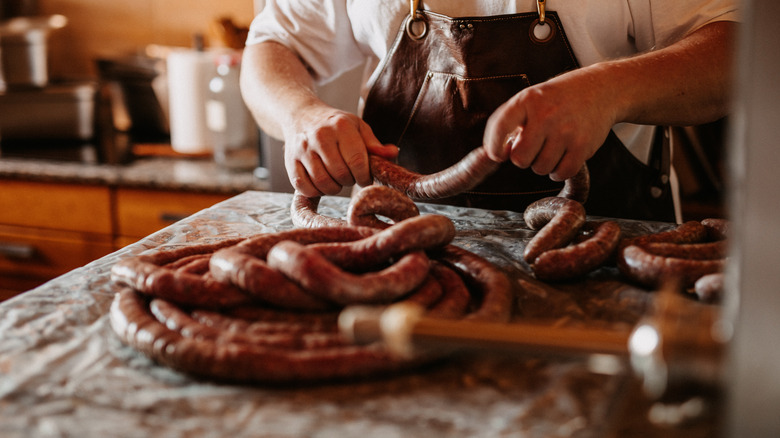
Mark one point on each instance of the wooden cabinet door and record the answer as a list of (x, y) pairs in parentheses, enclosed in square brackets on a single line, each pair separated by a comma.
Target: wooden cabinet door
[(142, 212), (61, 206)]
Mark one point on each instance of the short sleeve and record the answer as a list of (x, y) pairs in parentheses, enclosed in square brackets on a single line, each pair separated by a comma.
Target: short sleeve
[(660, 23), (319, 31)]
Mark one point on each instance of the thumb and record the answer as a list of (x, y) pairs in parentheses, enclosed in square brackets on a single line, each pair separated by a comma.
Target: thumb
[(374, 146), (387, 151)]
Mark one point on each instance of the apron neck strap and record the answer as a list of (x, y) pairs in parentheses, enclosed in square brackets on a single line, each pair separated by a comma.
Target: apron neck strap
[(540, 9), (414, 6)]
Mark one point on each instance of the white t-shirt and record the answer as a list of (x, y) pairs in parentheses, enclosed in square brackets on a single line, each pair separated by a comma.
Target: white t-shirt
[(335, 36)]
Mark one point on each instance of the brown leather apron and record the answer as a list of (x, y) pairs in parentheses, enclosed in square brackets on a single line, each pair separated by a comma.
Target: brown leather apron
[(444, 76)]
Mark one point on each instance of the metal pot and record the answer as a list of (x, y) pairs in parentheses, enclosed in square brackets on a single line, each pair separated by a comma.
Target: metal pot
[(24, 50)]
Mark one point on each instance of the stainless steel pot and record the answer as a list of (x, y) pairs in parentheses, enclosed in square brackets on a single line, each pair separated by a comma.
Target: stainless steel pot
[(24, 50)]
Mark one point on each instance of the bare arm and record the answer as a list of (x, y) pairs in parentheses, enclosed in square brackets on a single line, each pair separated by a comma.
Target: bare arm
[(325, 148), (555, 126)]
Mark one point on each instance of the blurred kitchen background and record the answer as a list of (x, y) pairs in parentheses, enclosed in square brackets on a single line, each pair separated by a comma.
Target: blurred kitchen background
[(61, 57), (98, 148), (107, 29), (123, 45)]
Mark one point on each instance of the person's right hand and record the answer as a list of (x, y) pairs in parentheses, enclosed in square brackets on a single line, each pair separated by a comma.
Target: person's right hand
[(326, 149)]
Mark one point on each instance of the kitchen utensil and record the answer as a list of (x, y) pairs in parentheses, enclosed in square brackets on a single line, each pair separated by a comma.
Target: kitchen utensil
[(24, 50)]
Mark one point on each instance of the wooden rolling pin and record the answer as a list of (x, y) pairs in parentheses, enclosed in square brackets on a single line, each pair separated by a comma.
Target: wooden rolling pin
[(404, 329), (676, 345)]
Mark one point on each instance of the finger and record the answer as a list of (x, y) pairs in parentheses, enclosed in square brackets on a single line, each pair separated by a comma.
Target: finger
[(300, 179), (526, 146), (549, 156), (374, 146), (319, 175), (567, 167), (502, 129), (353, 151), (330, 157), (387, 151)]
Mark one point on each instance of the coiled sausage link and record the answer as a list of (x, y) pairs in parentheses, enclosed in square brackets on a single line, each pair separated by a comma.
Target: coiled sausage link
[(375, 200), (319, 276), (177, 319), (687, 232), (652, 270), (487, 279), (303, 212), (267, 321), (578, 259), (456, 297), (177, 275), (417, 233), (132, 320), (362, 211), (558, 221), (695, 251), (244, 266)]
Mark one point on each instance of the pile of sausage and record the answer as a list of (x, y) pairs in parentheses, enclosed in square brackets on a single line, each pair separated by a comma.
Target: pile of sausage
[(567, 246), (265, 308), (693, 254)]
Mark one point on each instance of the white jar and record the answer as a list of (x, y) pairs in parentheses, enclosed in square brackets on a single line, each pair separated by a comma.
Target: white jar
[(233, 131)]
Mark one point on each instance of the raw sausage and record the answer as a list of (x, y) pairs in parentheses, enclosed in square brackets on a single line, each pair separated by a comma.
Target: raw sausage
[(696, 251), (136, 326), (244, 266), (578, 259), (456, 297), (687, 232), (375, 200), (255, 339), (319, 276), (303, 212), (363, 208), (417, 233), (487, 279), (717, 229), (460, 177), (177, 319), (652, 270), (184, 282), (577, 188), (558, 221)]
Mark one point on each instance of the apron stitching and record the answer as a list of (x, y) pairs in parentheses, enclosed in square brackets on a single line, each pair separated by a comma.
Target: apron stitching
[(480, 78), (506, 17), (414, 107)]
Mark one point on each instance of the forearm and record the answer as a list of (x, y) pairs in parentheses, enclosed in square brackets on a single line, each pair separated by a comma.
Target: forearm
[(275, 85), (687, 83)]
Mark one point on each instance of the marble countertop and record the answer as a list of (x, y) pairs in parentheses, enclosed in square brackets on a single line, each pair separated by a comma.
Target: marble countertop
[(64, 372), (164, 173)]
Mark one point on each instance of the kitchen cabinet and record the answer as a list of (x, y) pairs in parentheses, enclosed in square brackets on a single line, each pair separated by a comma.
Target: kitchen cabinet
[(31, 256), (47, 229), (141, 212), (50, 228)]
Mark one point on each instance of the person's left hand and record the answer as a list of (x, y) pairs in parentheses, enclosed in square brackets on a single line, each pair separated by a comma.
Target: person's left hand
[(552, 127)]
